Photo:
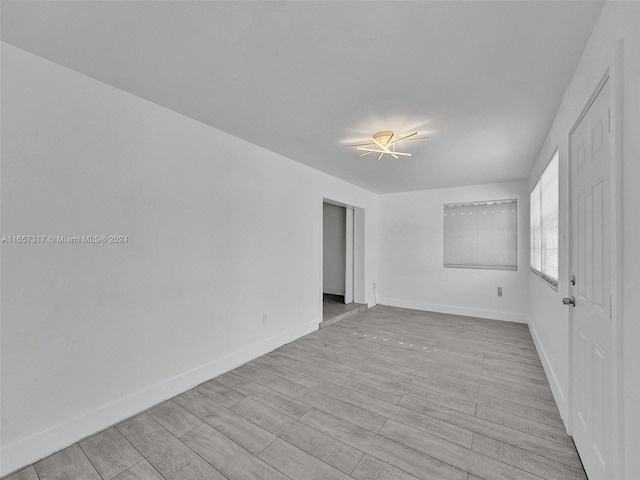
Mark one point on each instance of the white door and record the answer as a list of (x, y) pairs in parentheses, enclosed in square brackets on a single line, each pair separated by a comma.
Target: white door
[(592, 376), (348, 281)]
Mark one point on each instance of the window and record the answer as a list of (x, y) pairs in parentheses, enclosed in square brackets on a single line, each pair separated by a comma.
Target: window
[(534, 229), (544, 223), (481, 235)]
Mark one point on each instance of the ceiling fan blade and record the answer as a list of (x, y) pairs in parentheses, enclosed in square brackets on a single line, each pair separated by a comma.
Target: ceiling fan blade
[(378, 144), (375, 146), (390, 141), (381, 146), (416, 139), (359, 145), (405, 137)]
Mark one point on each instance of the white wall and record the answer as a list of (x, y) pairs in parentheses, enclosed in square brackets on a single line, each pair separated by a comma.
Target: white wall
[(334, 235), (411, 256), (549, 319), (220, 232)]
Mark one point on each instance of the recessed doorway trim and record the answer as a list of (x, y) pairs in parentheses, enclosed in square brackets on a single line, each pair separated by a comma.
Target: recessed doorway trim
[(358, 249)]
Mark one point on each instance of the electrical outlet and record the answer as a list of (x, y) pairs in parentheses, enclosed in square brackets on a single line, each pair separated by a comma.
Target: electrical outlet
[(499, 291)]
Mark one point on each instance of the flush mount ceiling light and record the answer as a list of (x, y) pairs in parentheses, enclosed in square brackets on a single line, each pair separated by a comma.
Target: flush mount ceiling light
[(385, 143)]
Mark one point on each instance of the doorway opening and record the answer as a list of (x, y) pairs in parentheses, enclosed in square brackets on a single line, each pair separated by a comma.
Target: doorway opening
[(342, 261)]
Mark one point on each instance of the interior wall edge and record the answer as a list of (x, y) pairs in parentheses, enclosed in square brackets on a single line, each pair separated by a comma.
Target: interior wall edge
[(42, 444), (454, 310)]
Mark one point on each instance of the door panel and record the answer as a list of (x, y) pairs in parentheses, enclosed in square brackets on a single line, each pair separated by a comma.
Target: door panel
[(581, 266), (592, 377), (597, 194), (581, 398)]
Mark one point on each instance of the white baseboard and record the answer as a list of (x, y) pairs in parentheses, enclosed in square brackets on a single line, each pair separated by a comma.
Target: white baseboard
[(371, 303), (470, 312), (556, 389), (333, 291), (44, 443)]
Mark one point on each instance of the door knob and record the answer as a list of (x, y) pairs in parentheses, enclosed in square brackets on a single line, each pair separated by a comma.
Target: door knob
[(569, 301)]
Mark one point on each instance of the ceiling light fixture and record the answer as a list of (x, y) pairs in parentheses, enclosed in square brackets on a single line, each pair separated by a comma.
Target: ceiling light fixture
[(385, 143)]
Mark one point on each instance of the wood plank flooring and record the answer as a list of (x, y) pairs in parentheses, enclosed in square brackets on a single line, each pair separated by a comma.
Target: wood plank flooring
[(387, 394), (334, 309)]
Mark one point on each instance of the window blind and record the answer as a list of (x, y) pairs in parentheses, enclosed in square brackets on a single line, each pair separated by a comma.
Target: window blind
[(534, 230), (481, 235), (549, 219), (544, 222)]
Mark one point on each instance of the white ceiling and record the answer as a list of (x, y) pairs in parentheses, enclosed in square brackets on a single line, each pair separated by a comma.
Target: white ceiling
[(303, 79)]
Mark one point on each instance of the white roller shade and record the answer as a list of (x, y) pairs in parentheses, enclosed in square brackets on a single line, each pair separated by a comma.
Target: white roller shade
[(481, 235)]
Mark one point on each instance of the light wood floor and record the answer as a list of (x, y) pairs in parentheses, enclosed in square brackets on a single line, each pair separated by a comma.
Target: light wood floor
[(334, 306), (388, 394)]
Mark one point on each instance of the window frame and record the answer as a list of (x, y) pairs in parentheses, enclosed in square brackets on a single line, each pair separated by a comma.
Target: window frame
[(552, 282)]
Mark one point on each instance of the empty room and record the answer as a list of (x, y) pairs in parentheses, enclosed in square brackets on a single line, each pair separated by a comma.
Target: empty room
[(320, 240)]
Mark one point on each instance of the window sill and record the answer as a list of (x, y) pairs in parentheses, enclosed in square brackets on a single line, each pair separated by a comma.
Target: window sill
[(546, 280), (482, 267)]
